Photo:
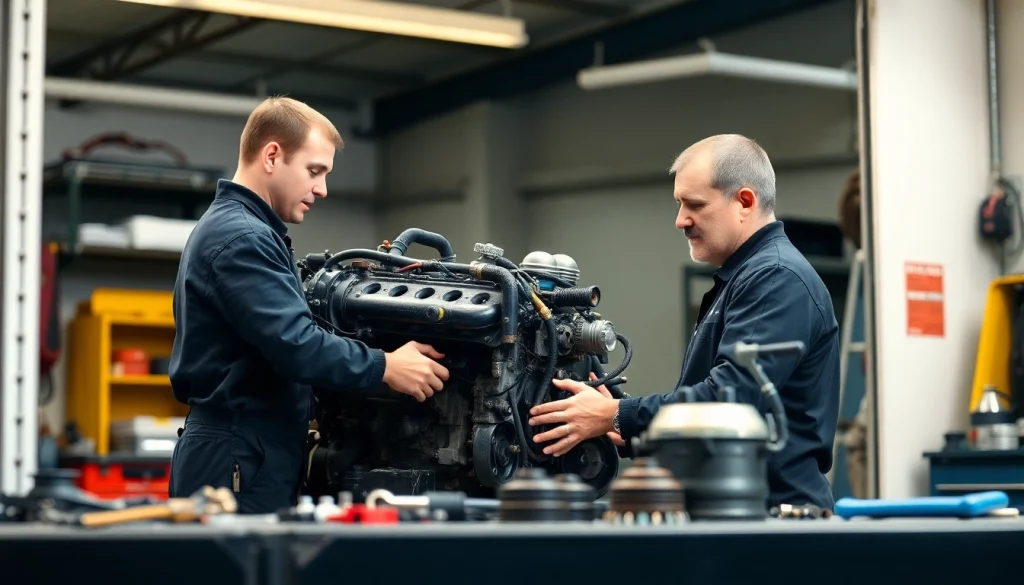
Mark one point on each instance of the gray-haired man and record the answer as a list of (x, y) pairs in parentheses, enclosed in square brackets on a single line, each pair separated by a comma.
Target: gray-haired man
[(765, 291)]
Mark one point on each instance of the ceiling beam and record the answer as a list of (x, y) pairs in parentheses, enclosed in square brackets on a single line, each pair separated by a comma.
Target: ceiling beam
[(622, 41), (275, 66), (258, 62), (583, 7), (366, 41), (183, 32)]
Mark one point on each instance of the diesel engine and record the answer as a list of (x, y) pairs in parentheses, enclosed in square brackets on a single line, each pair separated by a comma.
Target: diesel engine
[(505, 330)]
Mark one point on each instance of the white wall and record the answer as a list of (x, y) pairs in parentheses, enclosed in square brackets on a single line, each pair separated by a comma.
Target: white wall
[(344, 220), (1010, 59), (930, 164), (623, 236)]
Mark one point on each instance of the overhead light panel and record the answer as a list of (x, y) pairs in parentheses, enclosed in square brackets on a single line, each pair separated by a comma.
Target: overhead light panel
[(373, 15), (714, 63)]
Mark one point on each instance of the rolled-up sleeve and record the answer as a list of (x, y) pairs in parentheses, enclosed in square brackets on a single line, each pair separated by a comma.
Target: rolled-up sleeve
[(770, 305), (254, 286)]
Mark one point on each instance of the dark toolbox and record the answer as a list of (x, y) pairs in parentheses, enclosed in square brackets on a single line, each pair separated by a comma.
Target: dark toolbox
[(121, 476), (961, 471)]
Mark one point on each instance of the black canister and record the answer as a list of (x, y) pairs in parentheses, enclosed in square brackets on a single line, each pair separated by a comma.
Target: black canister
[(719, 452), (578, 497), (725, 479), (532, 496)]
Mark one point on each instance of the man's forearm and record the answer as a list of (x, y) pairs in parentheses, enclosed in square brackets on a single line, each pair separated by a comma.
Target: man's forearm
[(313, 356)]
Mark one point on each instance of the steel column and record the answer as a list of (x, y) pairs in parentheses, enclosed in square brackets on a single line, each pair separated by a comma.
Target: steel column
[(22, 67)]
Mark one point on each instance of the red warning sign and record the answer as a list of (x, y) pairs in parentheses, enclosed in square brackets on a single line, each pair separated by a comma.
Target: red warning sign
[(926, 313)]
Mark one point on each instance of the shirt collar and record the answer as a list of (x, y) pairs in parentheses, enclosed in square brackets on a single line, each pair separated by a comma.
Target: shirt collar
[(762, 236), (232, 191)]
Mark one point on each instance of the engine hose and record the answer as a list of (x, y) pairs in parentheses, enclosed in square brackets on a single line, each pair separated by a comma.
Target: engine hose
[(417, 236), (361, 254), (588, 296), (509, 294), (620, 368), (611, 383), (549, 371), (524, 284)]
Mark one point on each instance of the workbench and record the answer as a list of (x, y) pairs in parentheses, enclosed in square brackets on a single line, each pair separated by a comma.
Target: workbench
[(821, 552)]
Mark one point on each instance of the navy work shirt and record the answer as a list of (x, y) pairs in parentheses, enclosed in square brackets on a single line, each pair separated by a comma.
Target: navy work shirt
[(245, 339), (767, 292)]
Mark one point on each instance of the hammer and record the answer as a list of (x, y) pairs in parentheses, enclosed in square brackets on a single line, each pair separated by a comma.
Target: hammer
[(206, 501)]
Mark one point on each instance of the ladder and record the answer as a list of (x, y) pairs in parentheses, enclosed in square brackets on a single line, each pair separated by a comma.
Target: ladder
[(852, 315)]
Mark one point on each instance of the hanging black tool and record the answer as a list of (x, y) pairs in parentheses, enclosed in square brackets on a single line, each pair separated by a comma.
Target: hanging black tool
[(995, 217), (1001, 220)]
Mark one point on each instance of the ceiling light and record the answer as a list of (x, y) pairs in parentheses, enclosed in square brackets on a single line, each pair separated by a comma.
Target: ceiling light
[(373, 15), (711, 62)]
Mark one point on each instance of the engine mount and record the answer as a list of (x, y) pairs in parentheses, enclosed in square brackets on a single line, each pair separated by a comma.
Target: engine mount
[(506, 331)]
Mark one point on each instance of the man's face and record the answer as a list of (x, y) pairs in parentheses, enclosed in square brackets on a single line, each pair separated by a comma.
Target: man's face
[(295, 185), (713, 223)]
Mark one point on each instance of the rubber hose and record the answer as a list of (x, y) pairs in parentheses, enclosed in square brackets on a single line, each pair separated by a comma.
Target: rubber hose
[(417, 236), (620, 368), (588, 296), (549, 371), (364, 254), (509, 293), (598, 369)]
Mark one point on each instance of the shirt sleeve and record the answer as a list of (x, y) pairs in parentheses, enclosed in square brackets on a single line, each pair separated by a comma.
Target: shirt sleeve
[(254, 286), (771, 305)]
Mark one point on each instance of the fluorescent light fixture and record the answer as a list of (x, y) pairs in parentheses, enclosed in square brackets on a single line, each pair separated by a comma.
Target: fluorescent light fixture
[(148, 97), (714, 63), (373, 15)]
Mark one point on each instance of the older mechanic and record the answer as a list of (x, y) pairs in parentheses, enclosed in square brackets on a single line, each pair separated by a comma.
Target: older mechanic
[(246, 349), (764, 291)]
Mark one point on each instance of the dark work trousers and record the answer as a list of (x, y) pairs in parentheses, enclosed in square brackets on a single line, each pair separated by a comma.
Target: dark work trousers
[(258, 457)]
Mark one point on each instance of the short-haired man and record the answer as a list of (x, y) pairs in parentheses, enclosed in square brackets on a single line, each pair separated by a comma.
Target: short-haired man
[(246, 349), (765, 291)]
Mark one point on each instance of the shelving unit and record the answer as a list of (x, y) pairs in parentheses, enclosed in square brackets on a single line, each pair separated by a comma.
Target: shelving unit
[(80, 179), (110, 320)]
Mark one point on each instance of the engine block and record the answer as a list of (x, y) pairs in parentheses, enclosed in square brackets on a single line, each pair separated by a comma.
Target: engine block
[(506, 331)]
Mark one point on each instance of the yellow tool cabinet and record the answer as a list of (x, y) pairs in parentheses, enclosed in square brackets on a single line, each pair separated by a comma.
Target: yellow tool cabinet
[(110, 320), (996, 338)]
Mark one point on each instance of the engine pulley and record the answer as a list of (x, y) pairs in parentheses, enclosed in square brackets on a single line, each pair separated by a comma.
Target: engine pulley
[(495, 453)]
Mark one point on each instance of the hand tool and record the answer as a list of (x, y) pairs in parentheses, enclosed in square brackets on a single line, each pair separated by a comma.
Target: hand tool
[(207, 501)]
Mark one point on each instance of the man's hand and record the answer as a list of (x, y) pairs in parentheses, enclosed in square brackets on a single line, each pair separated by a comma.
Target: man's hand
[(410, 370), (615, 437), (585, 415)]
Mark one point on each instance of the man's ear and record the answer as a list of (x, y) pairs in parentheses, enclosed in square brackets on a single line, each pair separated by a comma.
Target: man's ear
[(272, 155), (747, 199)]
